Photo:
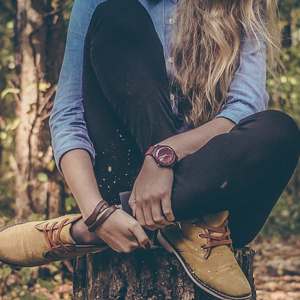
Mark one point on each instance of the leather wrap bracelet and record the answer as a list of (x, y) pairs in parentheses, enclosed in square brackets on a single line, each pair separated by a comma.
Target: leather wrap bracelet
[(100, 207), (92, 222), (103, 218)]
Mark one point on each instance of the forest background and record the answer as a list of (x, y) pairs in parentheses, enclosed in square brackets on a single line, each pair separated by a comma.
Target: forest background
[(32, 39)]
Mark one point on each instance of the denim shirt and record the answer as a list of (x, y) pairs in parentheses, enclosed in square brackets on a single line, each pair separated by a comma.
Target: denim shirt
[(246, 95)]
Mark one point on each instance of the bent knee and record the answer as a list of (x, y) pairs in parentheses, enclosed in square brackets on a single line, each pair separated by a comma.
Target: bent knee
[(275, 135), (284, 128), (277, 127), (126, 18), (284, 136)]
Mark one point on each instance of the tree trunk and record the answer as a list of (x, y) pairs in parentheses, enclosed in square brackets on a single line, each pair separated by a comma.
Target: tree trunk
[(142, 275), (38, 51)]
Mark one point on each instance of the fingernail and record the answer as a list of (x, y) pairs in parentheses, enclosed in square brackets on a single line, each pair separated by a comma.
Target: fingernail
[(148, 246)]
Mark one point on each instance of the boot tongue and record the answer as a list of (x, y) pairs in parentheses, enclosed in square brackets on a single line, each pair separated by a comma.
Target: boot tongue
[(216, 220)]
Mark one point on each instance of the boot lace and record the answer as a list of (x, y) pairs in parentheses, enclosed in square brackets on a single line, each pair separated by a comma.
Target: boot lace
[(223, 238), (54, 242)]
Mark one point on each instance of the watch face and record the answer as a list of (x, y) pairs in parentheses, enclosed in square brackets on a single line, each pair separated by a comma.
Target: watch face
[(165, 156)]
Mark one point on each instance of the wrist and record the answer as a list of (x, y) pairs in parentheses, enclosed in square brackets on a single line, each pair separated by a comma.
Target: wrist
[(102, 217), (164, 155), (101, 212), (176, 144), (88, 207)]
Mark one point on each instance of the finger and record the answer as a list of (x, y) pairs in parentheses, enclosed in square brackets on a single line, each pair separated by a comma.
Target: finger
[(167, 208), (157, 215), (132, 203), (150, 224), (131, 246), (127, 242), (140, 235), (117, 248), (140, 216), (113, 245), (133, 208)]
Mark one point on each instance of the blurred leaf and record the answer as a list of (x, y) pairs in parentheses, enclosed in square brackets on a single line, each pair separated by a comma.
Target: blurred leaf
[(55, 4), (25, 185), (51, 165), (10, 25), (70, 203), (3, 135), (14, 124), (9, 91), (40, 296), (26, 275), (44, 86), (49, 285), (26, 296), (4, 272), (42, 177), (36, 217)]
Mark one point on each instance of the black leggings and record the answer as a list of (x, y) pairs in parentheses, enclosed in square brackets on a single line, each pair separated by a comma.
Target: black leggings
[(127, 109)]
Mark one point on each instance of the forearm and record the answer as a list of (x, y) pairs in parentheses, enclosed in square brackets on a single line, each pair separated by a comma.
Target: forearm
[(150, 199), (189, 142), (79, 174)]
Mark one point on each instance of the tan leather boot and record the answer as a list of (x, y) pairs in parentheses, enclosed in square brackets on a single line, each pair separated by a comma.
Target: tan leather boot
[(37, 243), (204, 249)]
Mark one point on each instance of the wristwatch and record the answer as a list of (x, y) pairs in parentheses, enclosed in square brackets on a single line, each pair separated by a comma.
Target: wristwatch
[(164, 156)]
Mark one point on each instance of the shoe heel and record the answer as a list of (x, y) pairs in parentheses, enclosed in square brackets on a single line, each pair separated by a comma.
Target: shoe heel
[(164, 243)]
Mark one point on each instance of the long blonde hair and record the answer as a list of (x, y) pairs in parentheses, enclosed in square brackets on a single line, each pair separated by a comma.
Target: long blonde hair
[(206, 45)]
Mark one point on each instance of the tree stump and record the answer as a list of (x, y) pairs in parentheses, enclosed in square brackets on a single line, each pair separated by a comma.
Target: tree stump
[(143, 275)]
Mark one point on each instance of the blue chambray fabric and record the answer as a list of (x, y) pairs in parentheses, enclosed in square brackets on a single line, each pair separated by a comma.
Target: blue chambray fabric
[(247, 94)]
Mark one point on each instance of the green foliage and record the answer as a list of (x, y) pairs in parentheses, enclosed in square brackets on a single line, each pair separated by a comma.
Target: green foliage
[(7, 117), (49, 285), (71, 205), (36, 217), (28, 283), (9, 91), (285, 96), (8, 98), (34, 283), (42, 177)]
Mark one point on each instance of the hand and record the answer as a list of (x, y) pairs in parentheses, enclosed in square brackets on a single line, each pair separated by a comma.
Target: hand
[(150, 199), (123, 233)]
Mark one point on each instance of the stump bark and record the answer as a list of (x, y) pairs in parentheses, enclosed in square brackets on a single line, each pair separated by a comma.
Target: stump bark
[(143, 275)]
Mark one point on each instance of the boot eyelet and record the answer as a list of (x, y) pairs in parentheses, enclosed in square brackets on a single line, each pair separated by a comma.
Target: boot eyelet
[(201, 247), (199, 235)]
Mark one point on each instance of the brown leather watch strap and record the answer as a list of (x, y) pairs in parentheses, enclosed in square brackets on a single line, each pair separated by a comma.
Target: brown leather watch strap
[(98, 209), (103, 218), (150, 150)]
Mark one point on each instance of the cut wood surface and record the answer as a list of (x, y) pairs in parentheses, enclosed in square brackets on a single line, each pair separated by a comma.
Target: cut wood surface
[(142, 275)]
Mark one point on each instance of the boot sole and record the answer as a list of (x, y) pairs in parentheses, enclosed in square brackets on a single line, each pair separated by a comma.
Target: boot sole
[(202, 285)]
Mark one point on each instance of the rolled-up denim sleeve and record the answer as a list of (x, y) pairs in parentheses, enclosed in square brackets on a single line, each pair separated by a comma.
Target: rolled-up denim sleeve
[(67, 124), (247, 94)]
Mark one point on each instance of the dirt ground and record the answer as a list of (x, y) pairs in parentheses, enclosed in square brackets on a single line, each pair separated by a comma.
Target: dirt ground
[(277, 268)]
